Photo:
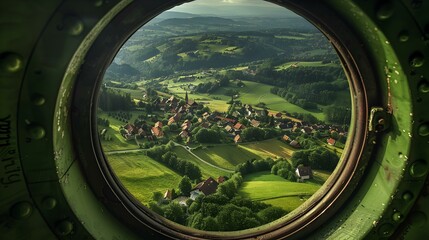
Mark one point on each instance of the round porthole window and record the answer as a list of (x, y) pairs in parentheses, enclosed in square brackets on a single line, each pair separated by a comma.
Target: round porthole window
[(229, 125), (225, 122), (121, 113)]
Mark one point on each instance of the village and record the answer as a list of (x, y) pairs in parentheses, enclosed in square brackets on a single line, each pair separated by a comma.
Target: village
[(181, 119), (243, 116)]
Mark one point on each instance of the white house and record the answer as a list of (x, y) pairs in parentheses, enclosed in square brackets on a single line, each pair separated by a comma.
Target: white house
[(303, 173)]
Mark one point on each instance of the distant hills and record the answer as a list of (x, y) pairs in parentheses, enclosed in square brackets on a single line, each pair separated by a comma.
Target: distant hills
[(172, 14), (203, 23), (196, 21)]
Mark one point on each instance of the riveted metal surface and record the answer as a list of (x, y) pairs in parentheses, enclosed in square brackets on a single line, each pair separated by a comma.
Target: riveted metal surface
[(45, 194)]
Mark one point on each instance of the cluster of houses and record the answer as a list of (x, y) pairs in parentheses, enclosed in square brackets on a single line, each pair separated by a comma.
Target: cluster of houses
[(177, 110)]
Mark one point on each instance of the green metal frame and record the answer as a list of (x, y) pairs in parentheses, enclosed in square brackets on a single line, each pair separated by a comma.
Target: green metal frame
[(46, 193)]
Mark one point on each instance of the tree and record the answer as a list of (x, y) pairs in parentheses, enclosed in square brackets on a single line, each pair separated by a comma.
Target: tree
[(226, 189), (156, 208), (157, 196), (270, 214), (185, 186), (196, 221), (175, 213), (210, 224), (232, 217), (207, 136), (253, 134)]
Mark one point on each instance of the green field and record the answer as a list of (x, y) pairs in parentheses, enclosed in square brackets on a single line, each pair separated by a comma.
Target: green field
[(135, 93), (271, 148), (273, 189), (142, 175), (226, 156), (206, 170), (304, 64), (118, 142)]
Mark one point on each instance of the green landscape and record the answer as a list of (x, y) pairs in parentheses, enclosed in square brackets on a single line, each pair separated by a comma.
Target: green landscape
[(223, 124)]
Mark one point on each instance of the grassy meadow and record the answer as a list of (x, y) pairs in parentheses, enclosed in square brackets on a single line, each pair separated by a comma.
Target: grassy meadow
[(206, 170), (226, 156), (271, 148), (277, 191), (141, 175), (117, 142)]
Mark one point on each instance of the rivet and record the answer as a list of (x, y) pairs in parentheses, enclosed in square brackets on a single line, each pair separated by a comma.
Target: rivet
[(386, 230), (21, 210), (418, 169), (424, 129), (36, 132), (385, 11), (38, 100), (407, 196), (397, 217), (416, 59), (72, 25), (10, 62), (424, 87), (418, 219), (49, 203), (404, 36), (64, 227)]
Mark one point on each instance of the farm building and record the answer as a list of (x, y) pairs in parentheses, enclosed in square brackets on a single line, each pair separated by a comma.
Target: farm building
[(207, 187), (303, 173), (331, 141)]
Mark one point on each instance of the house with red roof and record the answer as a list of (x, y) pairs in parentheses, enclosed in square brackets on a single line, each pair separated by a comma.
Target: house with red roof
[(207, 187), (331, 141)]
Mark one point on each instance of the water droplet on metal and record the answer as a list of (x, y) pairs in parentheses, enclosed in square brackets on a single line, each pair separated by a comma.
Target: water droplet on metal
[(416, 59), (397, 217)]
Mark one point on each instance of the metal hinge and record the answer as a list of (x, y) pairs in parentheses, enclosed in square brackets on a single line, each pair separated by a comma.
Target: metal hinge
[(379, 120)]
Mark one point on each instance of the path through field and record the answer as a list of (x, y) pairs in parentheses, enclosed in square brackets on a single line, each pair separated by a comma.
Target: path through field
[(188, 149)]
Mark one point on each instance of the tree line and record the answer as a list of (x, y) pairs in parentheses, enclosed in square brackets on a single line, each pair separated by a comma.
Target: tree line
[(164, 155), (221, 211), (114, 100)]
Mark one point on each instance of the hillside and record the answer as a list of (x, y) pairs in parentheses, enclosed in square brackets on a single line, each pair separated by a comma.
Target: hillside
[(194, 21), (140, 175)]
